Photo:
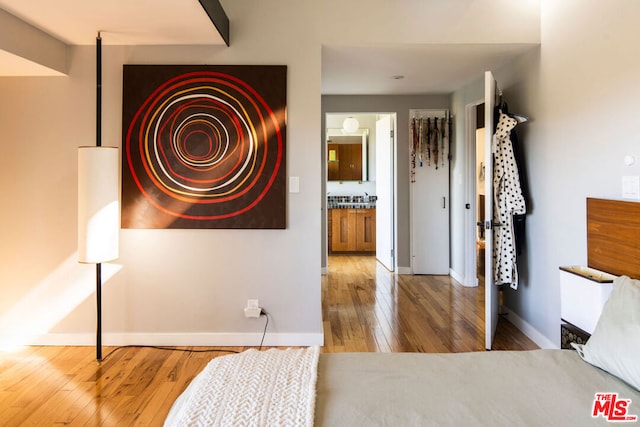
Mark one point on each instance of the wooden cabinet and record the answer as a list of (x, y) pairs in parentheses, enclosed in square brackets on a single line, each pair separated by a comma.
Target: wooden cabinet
[(366, 230), (344, 162), (343, 230), (353, 230)]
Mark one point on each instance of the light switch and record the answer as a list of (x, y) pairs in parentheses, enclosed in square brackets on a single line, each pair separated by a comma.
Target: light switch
[(294, 184), (631, 187)]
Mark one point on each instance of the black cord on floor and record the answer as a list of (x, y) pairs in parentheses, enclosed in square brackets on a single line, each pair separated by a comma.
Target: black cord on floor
[(264, 333), (170, 349)]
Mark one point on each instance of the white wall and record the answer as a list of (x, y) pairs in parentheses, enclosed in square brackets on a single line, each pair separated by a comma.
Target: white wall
[(189, 286), (192, 283), (582, 92)]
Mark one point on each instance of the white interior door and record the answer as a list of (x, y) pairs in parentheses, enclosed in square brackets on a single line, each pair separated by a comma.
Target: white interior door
[(430, 213), (491, 292), (384, 191)]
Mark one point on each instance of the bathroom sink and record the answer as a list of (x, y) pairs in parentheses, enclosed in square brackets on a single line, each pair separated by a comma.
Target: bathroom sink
[(363, 205), (351, 202)]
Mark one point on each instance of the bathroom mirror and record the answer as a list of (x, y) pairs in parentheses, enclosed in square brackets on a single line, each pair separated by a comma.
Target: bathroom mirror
[(347, 155)]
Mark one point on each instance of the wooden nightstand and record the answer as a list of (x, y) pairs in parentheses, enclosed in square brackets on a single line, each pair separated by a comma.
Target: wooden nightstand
[(570, 333)]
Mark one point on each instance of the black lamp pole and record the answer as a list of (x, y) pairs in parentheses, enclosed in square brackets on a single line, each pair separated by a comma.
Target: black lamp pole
[(98, 144)]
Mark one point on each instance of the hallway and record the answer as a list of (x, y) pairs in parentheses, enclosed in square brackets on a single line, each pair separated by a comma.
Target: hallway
[(367, 308)]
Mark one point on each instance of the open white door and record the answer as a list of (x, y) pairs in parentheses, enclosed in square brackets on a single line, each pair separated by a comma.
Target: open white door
[(491, 292), (384, 191)]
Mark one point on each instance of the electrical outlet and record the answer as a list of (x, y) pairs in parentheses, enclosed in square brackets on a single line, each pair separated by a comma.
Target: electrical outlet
[(253, 308), (631, 187)]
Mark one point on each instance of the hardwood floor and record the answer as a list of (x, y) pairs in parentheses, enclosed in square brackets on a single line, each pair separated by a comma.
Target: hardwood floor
[(365, 308), (42, 386)]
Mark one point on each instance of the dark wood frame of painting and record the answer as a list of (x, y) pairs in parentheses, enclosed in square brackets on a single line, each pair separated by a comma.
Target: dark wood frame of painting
[(613, 236)]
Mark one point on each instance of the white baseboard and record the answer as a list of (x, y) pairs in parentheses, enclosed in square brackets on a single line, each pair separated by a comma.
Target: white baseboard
[(531, 332), (467, 283), (455, 276), (181, 339), (324, 271), (404, 270)]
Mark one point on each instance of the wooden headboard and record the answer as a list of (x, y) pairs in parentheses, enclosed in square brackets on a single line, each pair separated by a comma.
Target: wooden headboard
[(613, 236)]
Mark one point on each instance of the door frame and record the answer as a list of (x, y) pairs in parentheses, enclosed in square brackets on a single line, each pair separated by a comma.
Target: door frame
[(391, 265), (471, 262), (491, 303), (394, 173)]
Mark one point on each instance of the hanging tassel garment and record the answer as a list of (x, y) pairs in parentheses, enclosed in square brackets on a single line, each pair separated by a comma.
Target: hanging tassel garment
[(436, 135), (414, 149), (449, 128), (442, 136), (420, 141), (428, 144)]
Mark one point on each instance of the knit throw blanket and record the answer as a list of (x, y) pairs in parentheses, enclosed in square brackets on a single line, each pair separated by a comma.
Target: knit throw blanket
[(254, 388)]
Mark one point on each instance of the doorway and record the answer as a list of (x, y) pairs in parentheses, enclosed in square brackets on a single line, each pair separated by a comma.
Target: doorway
[(360, 185), (474, 240)]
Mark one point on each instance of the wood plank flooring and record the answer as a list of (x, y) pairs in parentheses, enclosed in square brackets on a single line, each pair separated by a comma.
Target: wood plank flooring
[(365, 308)]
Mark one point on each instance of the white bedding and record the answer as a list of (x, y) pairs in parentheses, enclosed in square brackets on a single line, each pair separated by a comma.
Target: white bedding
[(537, 388), (253, 388), (511, 388)]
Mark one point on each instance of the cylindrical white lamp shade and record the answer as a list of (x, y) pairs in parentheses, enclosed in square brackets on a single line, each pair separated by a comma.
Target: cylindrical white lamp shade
[(98, 204), (350, 124)]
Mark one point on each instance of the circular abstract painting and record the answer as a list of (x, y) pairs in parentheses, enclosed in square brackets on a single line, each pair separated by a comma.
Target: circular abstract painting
[(204, 146)]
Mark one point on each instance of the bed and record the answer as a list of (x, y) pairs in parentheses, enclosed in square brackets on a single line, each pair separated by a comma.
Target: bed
[(596, 384)]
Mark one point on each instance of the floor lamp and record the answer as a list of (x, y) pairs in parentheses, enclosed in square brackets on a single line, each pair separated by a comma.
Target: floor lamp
[(98, 203)]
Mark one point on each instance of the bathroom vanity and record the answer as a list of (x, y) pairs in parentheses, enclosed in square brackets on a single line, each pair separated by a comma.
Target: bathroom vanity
[(352, 224)]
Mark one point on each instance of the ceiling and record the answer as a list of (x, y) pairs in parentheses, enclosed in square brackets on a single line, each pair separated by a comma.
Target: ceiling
[(122, 22), (425, 69), (348, 70)]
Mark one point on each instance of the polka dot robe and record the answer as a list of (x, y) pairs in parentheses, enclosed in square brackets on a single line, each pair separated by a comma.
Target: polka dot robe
[(508, 201)]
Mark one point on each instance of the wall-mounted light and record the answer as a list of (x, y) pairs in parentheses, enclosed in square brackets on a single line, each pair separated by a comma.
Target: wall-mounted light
[(98, 205), (350, 124)]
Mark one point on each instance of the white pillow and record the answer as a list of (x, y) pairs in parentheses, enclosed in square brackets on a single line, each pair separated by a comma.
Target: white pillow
[(615, 343)]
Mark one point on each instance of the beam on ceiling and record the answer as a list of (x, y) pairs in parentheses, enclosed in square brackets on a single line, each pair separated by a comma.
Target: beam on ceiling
[(218, 16), (25, 41)]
